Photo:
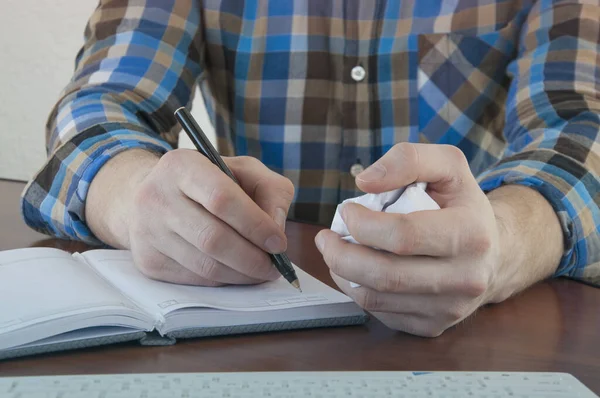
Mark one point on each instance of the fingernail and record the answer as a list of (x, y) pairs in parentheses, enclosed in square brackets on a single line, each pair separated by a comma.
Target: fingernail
[(320, 242), (275, 245), (374, 172), (280, 217)]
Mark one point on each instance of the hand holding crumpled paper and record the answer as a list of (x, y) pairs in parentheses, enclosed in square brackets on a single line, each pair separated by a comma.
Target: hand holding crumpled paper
[(425, 271), (402, 201)]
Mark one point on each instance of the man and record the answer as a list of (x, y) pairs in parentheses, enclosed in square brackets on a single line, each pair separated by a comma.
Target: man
[(495, 104)]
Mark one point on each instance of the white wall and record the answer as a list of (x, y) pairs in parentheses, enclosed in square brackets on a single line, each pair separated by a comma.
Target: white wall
[(38, 43)]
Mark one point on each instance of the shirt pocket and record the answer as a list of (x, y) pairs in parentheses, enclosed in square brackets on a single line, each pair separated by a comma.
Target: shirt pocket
[(462, 88)]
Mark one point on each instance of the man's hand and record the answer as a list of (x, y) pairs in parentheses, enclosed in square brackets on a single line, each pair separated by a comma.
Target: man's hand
[(186, 221), (437, 267)]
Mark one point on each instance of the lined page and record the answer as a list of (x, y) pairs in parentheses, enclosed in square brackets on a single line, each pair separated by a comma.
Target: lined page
[(161, 297), (40, 284)]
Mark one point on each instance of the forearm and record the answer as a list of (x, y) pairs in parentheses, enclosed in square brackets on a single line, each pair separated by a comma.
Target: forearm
[(116, 101), (110, 197), (552, 123), (531, 239)]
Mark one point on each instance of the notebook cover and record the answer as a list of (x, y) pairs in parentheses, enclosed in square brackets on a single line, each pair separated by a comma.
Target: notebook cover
[(70, 345)]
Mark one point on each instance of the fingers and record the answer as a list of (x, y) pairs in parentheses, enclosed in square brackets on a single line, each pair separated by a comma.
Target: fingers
[(205, 184), (444, 167), (445, 232), (372, 300), (200, 264), (191, 212), (218, 241), (413, 324), (388, 273), (156, 265), (419, 314), (454, 308), (272, 192)]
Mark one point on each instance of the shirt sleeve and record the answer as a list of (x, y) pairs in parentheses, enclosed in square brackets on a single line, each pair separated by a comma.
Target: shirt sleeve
[(139, 63), (553, 123)]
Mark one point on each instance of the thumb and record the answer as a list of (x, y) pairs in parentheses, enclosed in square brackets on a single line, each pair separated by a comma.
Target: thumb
[(272, 192), (443, 167)]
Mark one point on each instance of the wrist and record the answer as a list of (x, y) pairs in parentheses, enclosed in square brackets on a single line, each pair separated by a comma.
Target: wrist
[(111, 194), (509, 250), (530, 239)]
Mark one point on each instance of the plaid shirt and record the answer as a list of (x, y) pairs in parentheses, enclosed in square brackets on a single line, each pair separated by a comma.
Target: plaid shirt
[(313, 87)]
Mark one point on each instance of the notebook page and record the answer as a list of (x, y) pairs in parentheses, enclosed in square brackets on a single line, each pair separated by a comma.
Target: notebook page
[(160, 297), (40, 284)]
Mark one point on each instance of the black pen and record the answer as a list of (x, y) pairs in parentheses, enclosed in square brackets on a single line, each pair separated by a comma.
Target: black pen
[(203, 145)]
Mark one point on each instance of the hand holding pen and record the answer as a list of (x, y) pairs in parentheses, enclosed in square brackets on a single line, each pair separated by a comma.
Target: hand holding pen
[(279, 259), (187, 222)]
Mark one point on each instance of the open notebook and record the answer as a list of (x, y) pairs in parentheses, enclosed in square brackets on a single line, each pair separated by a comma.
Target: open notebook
[(51, 300)]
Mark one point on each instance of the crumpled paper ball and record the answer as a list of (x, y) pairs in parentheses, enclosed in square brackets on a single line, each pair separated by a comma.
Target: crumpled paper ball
[(402, 201)]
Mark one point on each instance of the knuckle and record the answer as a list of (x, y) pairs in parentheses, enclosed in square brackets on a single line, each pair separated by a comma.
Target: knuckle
[(405, 235), (248, 161), (475, 285), (404, 148), (286, 188), (480, 243), (251, 160), (172, 160), (456, 154), (219, 200), (209, 238), (385, 281), (207, 267), (406, 152), (150, 195), (459, 162), (383, 284), (369, 300), (289, 186)]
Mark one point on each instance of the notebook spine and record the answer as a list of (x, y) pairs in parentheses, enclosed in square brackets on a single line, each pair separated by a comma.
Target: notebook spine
[(155, 339), (269, 327)]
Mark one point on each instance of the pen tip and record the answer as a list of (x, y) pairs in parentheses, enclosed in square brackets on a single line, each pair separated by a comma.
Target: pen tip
[(296, 284)]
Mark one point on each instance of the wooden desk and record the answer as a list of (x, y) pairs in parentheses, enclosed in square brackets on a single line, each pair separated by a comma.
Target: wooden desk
[(554, 326)]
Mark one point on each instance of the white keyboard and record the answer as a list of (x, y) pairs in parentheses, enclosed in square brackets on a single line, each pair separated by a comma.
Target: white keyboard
[(298, 384)]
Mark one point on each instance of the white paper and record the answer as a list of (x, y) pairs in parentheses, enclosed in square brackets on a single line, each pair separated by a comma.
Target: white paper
[(38, 285), (401, 201), (160, 297)]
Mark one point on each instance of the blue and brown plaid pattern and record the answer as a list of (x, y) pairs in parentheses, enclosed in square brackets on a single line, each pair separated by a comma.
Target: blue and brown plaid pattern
[(513, 84)]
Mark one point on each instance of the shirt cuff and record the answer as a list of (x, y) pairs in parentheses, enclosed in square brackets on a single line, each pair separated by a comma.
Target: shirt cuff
[(53, 202), (565, 191)]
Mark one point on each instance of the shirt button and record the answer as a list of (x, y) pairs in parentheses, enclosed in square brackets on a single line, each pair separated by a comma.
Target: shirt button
[(358, 73), (356, 169)]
